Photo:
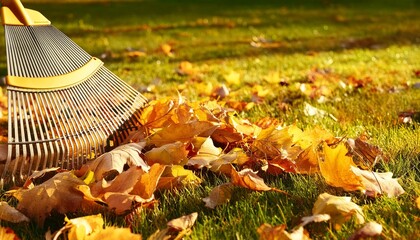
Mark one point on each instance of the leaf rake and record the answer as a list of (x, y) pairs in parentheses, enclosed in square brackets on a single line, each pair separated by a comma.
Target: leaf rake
[(64, 106)]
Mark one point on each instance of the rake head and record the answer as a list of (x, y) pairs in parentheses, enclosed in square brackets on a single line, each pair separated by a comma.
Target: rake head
[(64, 106)]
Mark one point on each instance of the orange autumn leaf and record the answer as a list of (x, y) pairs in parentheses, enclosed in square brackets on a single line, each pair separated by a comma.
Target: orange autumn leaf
[(418, 202), (335, 167), (158, 113), (148, 182), (248, 179), (176, 176)]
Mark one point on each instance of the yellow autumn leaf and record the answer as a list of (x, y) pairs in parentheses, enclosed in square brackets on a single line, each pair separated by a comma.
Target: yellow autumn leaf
[(92, 228), (186, 68), (176, 176), (418, 202), (158, 113), (10, 214), (166, 49), (168, 154), (272, 77), (341, 209), (219, 195), (336, 168), (233, 78), (7, 234)]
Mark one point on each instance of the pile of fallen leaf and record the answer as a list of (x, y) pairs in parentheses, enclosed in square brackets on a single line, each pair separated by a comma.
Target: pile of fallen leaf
[(179, 139)]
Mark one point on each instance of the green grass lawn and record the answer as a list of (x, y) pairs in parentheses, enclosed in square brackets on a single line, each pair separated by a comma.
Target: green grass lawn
[(327, 45)]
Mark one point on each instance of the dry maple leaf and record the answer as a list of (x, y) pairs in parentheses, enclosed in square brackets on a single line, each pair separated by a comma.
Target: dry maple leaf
[(184, 222), (341, 209), (176, 176), (114, 161), (248, 179), (7, 234), (219, 195), (123, 202), (365, 155), (148, 182), (379, 183), (268, 232), (158, 113), (335, 167), (10, 214), (58, 194)]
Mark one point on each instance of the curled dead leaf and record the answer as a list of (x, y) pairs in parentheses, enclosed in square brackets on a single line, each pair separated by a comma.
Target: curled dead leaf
[(248, 179), (369, 230)]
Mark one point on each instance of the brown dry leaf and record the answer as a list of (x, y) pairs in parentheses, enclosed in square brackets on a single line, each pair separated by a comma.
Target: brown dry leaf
[(183, 132), (168, 154), (184, 222), (219, 195), (248, 179), (335, 167), (369, 230), (59, 194), (7, 234), (268, 232), (110, 163), (379, 183), (341, 209), (365, 155), (10, 214)]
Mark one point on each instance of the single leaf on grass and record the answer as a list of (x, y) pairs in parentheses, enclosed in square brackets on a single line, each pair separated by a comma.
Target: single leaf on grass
[(341, 209), (365, 155), (168, 154), (219, 195), (7, 234), (248, 179), (379, 183), (232, 78), (59, 194), (10, 214), (184, 222), (113, 162), (335, 167), (182, 132), (369, 230), (268, 232)]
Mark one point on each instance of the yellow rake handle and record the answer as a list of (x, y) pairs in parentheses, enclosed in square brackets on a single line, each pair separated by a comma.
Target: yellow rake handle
[(13, 13)]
